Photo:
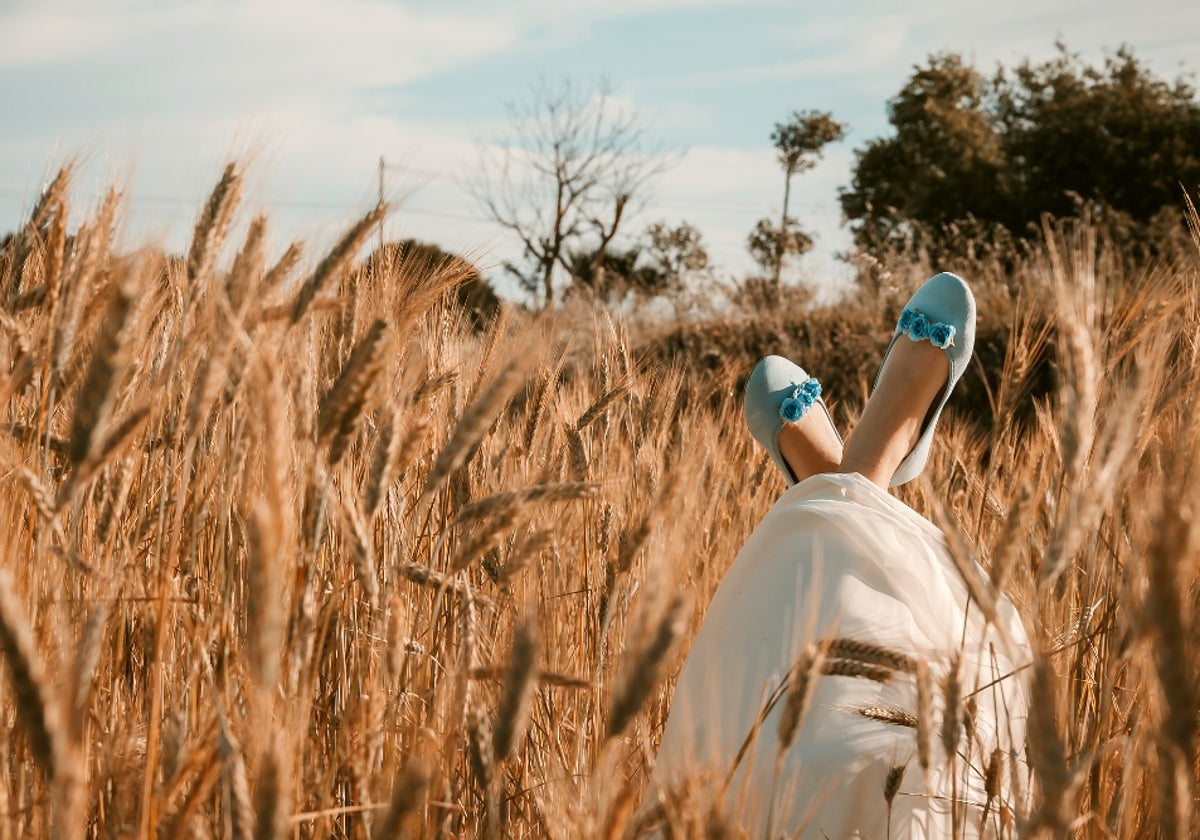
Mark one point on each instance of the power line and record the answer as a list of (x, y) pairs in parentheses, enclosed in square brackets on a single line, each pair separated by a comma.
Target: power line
[(824, 208), (402, 210)]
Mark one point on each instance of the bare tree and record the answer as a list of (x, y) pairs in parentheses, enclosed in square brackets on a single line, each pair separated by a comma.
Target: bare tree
[(569, 173)]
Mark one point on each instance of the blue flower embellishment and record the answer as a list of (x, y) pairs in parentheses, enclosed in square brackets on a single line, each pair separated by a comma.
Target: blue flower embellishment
[(917, 326), (941, 335), (920, 327), (803, 396)]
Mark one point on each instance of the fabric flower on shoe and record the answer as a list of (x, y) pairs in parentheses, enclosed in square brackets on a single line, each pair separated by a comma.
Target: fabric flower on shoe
[(941, 335), (797, 405), (919, 328)]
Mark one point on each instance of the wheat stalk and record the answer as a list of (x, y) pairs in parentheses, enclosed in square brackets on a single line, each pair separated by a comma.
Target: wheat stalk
[(519, 687), (36, 706), (925, 723), (243, 278), (345, 401), (854, 668), (213, 223), (472, 425), (336, 260), (543, 393), (542, 676), (52, 196), (56, 243), (271, 807), (362, 553), (284, 266), (500, 503), (800, 687), (208, 773), (479, 734), (645, 668), (96, 393), (427, 577), (264, 616), (383, 459), (237, 788), (952, 698), (122, 432), (524, 554), (871, 654), (83, 668), (405, 798), (891, 786), (597, 408), (888, 714)]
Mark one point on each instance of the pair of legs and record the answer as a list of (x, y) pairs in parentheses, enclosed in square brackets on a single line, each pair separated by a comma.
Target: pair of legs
[(913, 375)]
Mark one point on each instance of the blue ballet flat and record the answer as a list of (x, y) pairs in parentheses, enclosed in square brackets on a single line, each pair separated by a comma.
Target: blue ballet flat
[(941, 312), (779, 392)]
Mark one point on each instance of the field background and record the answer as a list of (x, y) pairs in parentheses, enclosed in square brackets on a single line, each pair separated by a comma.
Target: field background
[(299, 548)]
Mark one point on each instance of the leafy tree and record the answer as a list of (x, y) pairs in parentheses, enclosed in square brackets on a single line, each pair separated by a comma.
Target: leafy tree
[(1114, 135), (657, 265), (618, 273), (768, 244), (416, 259), (799, 142), (567, 176), (994, 155), (676, 251)]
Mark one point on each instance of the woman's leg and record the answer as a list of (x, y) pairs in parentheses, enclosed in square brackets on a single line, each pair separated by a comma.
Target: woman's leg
[(810, 445), (913, 375)]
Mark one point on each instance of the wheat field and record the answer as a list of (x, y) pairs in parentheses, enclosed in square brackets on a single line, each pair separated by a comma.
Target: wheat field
[(289, 549)]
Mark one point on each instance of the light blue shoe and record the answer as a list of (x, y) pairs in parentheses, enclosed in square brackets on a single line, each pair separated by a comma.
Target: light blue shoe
[(779, 392), (942, 312)]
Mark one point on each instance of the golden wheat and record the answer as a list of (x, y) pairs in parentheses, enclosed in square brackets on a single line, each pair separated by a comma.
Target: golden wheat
[(222, 487)]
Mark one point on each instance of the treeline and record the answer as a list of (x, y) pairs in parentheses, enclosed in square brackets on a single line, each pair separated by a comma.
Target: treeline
[(974, 164)]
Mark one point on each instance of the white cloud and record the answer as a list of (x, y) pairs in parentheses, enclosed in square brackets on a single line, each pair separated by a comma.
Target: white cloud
[(170, 90)]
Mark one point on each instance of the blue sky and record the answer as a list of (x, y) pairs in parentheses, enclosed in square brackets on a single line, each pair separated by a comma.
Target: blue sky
[(157, 95)]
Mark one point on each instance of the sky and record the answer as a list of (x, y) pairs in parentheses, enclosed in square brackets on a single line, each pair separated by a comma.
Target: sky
[(156, 95)]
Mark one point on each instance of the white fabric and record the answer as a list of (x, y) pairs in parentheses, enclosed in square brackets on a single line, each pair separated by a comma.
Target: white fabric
[(837, 557)]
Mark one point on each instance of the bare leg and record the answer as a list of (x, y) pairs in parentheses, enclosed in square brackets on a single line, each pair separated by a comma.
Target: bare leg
[(810, 446), (913, 375)]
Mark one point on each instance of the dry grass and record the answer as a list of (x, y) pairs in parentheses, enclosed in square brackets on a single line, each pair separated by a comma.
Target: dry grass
[(309, 557)]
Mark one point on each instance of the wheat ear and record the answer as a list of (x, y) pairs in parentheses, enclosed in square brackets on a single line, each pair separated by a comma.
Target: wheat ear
[(799, 693), (36, 707), (383, 460), (472, 425), (271, 797), (646, 667), (83, 667), (237, 788), (96, 394), (513, 714), (345, 402), (284, 266), (213, 223), (406, 796), (871, 654), (336, 260), (247, 270)]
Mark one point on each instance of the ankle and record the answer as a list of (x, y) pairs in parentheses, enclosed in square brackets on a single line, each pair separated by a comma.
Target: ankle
[(809, 449)]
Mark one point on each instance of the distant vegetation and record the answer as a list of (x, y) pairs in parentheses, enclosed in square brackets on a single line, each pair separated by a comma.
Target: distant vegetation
[(975, 164), (978, 160)]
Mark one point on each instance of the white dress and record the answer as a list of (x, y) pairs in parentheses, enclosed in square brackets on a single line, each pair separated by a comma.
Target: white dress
[(837, 558)]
